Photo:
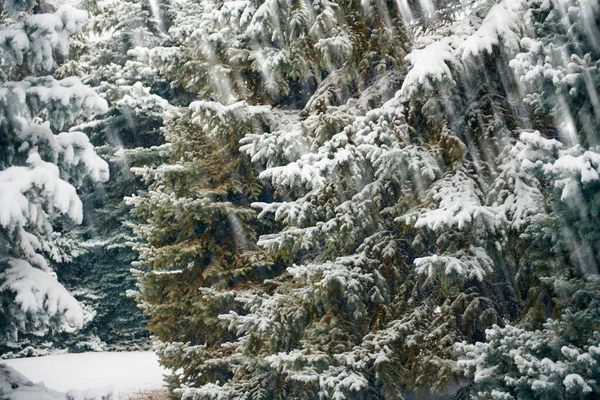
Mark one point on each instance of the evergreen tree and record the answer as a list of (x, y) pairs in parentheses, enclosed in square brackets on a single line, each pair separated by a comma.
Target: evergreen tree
[(99, 273), (198, 233), (127, 135), (339, 242), (41, 164)]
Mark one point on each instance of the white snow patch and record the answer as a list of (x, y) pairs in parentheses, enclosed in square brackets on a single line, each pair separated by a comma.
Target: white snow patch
[(126, 372)]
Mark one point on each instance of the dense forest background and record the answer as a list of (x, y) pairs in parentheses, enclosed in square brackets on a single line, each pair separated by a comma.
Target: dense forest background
[(297, 199)]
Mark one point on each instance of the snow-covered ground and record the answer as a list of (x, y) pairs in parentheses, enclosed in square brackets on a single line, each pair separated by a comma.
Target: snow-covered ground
[(127, 372)]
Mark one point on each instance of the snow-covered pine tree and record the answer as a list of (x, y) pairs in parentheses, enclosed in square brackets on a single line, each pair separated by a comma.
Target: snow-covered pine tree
[(557, 63), (199, 242), (128, 135), (405, 208), (41, 164)]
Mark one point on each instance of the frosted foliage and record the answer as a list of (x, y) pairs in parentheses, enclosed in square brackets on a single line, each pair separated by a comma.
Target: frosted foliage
[(325, 284), (393, 232), (438, 58), (317, 21), (335, 49), (265, 319), (13, 7), (211, 115), (204, 110), (503, 22), (61, 102), (22, 211), (568, 169), (431, 63), (516, 361), (565, 73), (471, 264), (33, 195), (345, 275), (298, 174), (339, 386), (139, 101), (286, 363), (76, 152), (285, 143), (334, 383), (519, 199), (41, 298), (459, 202), (435, 58), (574, 383), (279, 41), (210, 391), (36, 37), (371, 151), (369, 141)]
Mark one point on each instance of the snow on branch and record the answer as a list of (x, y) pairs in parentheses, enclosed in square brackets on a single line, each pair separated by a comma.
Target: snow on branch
[(459, 204), (438, 58), (56, 196), (431, 63), (41, 297), (502, 24), (568, 169), (463, 264), (38, 36), (61, 102)]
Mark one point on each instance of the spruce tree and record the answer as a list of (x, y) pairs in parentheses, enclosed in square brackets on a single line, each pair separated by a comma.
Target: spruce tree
[(42, 163), (367, 186), (127, 135)]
